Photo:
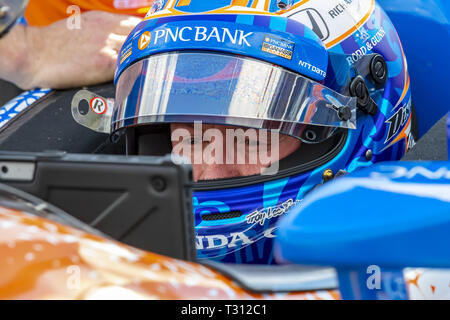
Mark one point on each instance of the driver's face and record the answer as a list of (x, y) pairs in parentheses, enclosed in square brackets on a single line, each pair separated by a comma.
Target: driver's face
[(214, 157)]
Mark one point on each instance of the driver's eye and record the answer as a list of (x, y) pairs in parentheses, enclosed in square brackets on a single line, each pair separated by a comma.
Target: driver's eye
[(251, 142), (194, 140)]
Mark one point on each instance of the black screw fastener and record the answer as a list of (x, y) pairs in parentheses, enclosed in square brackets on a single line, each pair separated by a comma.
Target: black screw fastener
[(159, 184), (345, 113), (358, 89), (379, 69)]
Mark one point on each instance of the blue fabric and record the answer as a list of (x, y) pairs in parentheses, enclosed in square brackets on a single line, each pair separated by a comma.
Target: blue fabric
[(22, 21)]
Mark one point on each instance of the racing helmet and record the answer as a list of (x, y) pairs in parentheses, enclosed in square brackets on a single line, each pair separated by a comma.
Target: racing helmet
[(332, 74)]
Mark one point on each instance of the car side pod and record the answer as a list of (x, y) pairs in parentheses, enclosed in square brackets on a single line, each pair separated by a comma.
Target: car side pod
[(372, 224)]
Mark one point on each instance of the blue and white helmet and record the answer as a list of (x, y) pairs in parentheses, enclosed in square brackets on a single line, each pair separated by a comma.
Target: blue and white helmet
[(330, 73)]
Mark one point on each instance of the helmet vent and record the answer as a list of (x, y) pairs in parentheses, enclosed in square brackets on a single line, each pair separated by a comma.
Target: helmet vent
[(222, 216), (284, 4)]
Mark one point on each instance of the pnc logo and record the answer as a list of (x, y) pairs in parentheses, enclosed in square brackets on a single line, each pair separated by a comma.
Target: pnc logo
[(195, 34), (144, 40)]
